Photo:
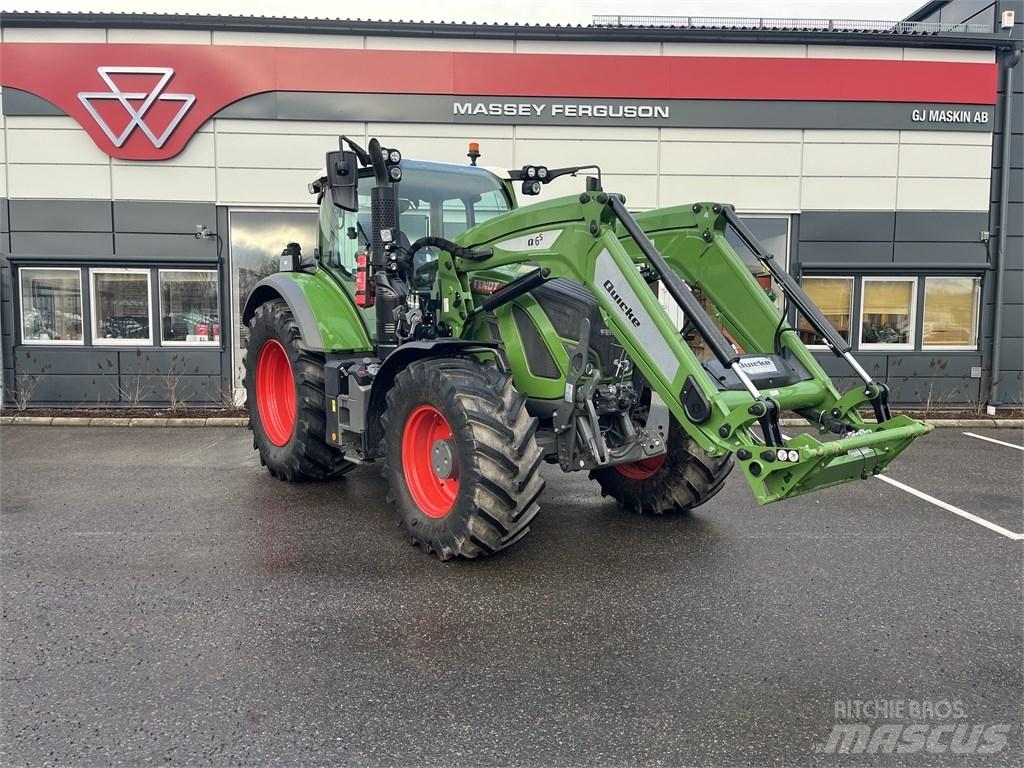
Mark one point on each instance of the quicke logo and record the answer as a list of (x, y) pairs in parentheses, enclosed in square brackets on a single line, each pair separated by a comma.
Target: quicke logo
[(626, 309)]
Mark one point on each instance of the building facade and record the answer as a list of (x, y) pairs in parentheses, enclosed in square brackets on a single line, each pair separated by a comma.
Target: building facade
[(870, 160)]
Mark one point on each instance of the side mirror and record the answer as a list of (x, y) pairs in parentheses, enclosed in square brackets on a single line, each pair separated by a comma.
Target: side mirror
[(343, 179)]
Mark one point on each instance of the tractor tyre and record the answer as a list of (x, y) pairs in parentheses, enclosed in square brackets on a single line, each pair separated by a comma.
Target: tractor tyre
[(462, 462), (677, 481), (284, 386)]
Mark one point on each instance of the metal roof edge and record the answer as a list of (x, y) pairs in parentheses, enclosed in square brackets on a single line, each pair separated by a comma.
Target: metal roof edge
[(488, 31)]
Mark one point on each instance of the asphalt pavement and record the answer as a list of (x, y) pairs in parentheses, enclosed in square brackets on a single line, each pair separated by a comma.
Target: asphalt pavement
[(165, 601)]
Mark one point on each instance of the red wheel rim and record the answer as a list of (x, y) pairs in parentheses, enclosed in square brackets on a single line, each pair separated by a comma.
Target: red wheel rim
[(428, 434), (275, 392), (643, 469)]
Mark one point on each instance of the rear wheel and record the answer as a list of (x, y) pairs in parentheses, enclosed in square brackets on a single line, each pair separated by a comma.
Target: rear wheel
[(677, 481), (284, 386), (462, 462)]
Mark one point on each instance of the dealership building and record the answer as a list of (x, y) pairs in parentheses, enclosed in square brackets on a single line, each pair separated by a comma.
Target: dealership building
[(880, 161)]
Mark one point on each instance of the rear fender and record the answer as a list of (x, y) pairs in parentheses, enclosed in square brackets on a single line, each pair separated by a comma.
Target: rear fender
[(326, 315)]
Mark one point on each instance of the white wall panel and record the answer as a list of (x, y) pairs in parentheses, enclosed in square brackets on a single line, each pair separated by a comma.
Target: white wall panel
[(466, 132), (641, 191), (62, 181), (448, 150), (152, 181), (51, 35), (795, 51), (815, 136), (198, 153), (290, 127), (287, 40), (852, 52), (726, 159), (733, 135), (570, 133), (613, 156), (943, 194), (946, 137), (610, 48), (846, 193), (53, 146), (55, 122), (948, 54), (160, 36), (945, 161), (850, 159), (239, 150), (753, 194), (438, 44), (264, 186)]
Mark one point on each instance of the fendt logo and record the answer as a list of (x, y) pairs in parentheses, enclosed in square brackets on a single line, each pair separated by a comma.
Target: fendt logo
[(137, 105)]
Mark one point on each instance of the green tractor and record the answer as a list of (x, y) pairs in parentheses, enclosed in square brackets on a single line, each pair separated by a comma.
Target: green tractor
[(464, 341)]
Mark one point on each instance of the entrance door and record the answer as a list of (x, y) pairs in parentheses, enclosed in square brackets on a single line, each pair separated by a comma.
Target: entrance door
[(256, 239)]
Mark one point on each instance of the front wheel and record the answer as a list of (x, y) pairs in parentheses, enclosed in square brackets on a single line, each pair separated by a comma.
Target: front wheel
[(462, 462), (284, 386), (677, 481)]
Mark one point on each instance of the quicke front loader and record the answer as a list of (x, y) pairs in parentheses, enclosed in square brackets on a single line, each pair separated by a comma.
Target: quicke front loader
[(464, 341)]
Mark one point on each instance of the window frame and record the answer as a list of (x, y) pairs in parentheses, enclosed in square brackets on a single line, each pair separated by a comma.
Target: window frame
[(853, 302), (160, 308), (911, 345), (975, 311), (21, 309), (105, 342)]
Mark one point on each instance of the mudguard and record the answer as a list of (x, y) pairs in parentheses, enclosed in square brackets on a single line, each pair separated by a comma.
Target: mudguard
[(326, 315)]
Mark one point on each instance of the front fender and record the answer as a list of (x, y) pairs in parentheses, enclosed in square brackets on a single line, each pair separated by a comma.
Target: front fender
[(326, 315)]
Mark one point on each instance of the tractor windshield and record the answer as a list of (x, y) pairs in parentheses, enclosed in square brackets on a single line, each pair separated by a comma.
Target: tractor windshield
[(434, 199)]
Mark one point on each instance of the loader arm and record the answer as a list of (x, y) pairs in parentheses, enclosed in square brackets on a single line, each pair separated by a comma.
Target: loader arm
[(594, 241)]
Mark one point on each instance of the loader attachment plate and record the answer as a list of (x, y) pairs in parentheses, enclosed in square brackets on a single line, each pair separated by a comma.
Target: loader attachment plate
[(805, 464)]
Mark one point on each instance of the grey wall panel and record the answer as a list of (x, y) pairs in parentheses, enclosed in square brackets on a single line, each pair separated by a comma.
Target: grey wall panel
[(160, 390), (852, 254), (171, 360), (851, 226), (60, 216), (62, 243), (65, 360), (164, 247), (940, 226), (929, 364), (1014, 220), (81, 390), (1016, 151), (1013, 286), (1013, 320), (940, 254), (1012, 355), (163, 218), (18, 102), (876, 365), (1014, 253), (4, 226), (935, 392)]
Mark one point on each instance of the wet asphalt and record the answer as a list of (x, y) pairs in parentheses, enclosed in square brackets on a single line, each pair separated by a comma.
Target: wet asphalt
[(165, 601)]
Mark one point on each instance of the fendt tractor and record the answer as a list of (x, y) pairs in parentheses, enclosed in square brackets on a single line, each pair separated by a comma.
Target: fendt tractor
[(463, 341)]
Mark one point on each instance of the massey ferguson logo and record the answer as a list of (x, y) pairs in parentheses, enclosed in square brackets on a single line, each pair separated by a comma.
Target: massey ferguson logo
[(626, 309), (137, 104)]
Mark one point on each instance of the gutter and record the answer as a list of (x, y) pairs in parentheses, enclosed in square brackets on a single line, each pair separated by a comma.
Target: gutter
[(1010, 61)]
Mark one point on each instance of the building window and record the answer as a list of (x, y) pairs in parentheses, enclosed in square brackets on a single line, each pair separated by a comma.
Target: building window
[(887, 312), (189, 307), (51, 305), (951, 312), (120, 306), (834, 297)]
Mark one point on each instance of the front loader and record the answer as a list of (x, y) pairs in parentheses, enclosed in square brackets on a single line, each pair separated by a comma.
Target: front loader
[(464, 341)]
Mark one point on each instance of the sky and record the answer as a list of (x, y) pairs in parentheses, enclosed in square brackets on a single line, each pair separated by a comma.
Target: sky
[(523, 11)]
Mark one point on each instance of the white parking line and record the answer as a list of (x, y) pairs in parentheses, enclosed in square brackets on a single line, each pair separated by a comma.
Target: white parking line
[(997, 442), (955, 510)]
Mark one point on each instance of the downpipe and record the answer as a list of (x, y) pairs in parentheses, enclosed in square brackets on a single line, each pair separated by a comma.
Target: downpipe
[(1004, 205)]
